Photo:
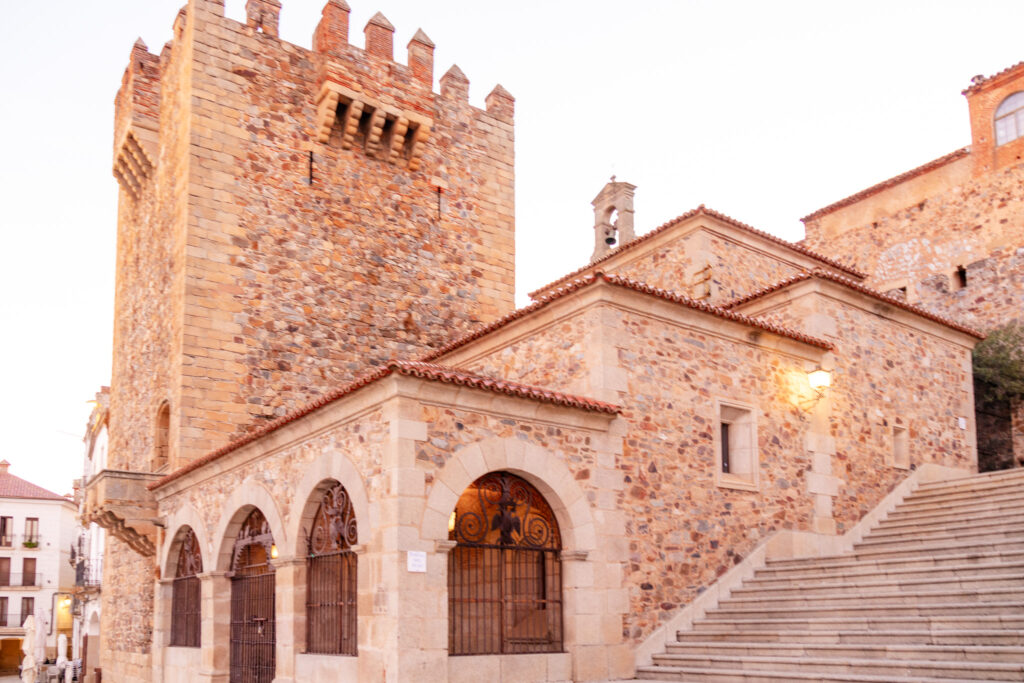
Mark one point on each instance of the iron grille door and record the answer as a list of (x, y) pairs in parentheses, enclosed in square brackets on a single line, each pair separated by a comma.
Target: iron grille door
[(252, 629)]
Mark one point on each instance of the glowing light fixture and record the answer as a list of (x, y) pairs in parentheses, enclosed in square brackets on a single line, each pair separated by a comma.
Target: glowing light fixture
[(451, 522), (819, 379), (273, 551)]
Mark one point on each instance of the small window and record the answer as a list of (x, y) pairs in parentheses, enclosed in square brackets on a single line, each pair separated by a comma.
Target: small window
[(161, 438), (959, 279), (1010, 119), (736, 447), (31, 532), (900, 448), (28, 608), (5, 571), (28, 574), (3, 611), (6, 531)]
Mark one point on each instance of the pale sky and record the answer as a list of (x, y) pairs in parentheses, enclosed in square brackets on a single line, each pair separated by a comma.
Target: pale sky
[(764, 111)]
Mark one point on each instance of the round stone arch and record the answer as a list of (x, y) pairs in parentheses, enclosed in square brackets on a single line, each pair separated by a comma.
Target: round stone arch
[(250, 494), (540, 467), (326, 470), (185, 517)]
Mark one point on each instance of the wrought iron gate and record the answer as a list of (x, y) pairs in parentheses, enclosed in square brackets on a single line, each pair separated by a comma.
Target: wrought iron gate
[(252, 603)]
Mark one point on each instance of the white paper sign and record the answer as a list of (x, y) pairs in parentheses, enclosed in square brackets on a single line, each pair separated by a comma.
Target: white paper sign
[(962, 421), (416, 561)]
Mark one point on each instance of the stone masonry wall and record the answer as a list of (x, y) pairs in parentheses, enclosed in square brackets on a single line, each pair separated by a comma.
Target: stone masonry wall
[(978, 225), (886, 375)]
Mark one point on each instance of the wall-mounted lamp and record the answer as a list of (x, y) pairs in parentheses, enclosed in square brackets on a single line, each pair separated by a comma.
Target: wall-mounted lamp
[(451, 522), (273, 551), (820, 380)]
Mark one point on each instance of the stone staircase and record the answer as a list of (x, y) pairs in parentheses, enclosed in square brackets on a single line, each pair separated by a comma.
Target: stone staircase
[(934, 593)]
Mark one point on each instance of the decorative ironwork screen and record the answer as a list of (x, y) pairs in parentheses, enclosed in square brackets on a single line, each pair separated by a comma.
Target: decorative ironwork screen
[(252, 603), (186, 612), (331, 576), (504, 576)]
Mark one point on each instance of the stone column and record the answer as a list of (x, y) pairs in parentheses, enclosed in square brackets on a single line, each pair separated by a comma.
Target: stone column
[(162, 593), (290, 607), (215, 596)]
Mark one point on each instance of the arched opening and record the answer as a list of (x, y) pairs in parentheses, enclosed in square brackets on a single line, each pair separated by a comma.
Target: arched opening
[(331, 576), (504, 574), (186, 611), (161, 438), (252, 636), (1010, 119)]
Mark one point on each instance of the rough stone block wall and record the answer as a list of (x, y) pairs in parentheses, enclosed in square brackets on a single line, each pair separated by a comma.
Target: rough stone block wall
[(978, 224), (126, 612)]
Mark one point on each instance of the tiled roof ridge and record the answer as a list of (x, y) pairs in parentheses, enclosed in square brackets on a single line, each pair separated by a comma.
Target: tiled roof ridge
[(419, 369), (891, 182), (985, 80), (864, 289), (13, 486), (701, 209), (628, 283)]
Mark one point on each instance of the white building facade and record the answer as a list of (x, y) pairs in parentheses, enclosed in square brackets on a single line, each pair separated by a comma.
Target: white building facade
[(36, 530)]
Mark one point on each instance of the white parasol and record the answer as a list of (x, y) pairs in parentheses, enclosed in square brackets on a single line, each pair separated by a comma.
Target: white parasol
[(28, 646)]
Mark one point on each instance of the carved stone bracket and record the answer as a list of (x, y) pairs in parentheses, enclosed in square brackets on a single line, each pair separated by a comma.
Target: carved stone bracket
[(389, 134)]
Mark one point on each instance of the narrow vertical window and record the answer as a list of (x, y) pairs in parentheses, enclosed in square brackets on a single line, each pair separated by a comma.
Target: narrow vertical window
[(725, 447), (31, 532), (5, 571), (28, 608), (331, 576), (736, 447), (900, 447), (186, 604), (960, 278), (161, 438), (3, 611), (6, 531), (28, 571)]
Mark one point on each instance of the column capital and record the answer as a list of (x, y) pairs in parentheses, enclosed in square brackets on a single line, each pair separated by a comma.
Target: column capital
[(445, 546)]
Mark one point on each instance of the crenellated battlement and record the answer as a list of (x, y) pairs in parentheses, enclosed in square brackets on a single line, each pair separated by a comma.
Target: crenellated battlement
[(137, 119)]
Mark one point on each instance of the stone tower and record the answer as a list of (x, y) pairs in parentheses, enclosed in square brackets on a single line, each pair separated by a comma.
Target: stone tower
[(288, 218), (613, 217)]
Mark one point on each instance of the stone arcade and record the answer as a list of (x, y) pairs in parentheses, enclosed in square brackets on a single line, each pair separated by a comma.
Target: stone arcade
[(338, 453)]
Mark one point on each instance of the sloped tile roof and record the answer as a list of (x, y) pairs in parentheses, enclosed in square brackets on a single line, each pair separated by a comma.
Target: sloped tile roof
[(419, 369), (702, 210), (627, 283), (978, 83), (847, 282), (891, 182), (16, 487)]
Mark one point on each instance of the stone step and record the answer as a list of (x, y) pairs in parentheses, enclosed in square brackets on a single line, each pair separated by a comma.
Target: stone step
[(979, 492), (895, 594), (965, 653), (966, 503), (869, 610), (887, 528), (951, 636), (988, 671), (926, 549), (867, 584), (989, 533), (984, 479), (697, 675), (839, 564), (716, 621)]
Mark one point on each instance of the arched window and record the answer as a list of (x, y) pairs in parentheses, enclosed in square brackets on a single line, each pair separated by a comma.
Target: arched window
[(253, 626), (161, 438), (331, 576), (504, 574), (186, 612), (1010, 119)]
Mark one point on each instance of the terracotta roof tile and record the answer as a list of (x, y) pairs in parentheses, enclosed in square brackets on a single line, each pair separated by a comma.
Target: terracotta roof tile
[(702, 210), (422, 370), (847, 282), (886, 184), (980, 82), (628, 283), (16, 487)]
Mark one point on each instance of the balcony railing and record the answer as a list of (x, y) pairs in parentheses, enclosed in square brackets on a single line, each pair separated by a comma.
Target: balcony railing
[(19, 579), (13, 620), (21, 541), (88, 574)]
